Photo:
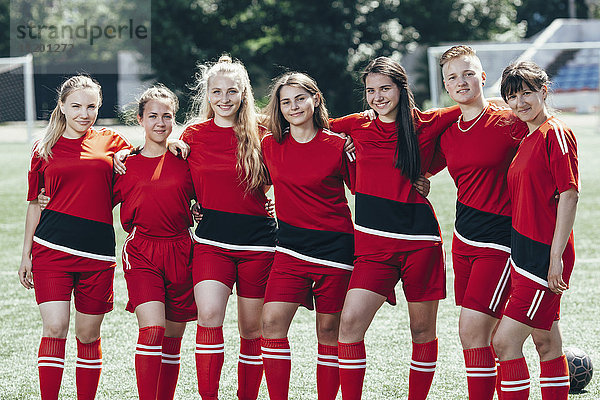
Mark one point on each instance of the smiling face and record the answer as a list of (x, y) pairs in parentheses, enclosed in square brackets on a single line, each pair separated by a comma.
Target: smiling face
[(529, 105), (383, 96), (297, 105), (157, 120), (463, 79), (225, 97), (81, 110)]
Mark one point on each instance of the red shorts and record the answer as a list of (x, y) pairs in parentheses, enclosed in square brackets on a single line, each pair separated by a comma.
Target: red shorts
[(531, 302), (422, 271), (159, 269), (482, 282), (296, 281), (247, 269), (93, 291)]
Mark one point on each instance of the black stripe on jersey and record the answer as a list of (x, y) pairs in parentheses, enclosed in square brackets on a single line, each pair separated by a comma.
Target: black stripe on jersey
[(481, 226), (394, 216), (324, 245), (76, 233), (530, 255), (236, 229)]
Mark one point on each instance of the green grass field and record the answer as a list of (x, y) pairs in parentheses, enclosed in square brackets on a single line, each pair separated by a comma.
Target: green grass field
[(388, 339)]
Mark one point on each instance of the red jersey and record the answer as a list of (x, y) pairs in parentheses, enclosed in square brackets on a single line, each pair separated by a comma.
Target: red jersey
[(312, 211), (545, 165), (78, 180), (155, 195), (232, 218), (390, 215), (477, 154)]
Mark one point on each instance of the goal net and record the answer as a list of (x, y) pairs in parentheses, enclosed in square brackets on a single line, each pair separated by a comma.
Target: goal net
[(17, 91)]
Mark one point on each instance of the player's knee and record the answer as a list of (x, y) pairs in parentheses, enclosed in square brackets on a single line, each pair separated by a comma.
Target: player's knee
[(422, 331), (547, 348), (210, 316), (471, 337), (87, 334), (55, 329), (351, 326), (328, 333), (271, 325), (501, 346)]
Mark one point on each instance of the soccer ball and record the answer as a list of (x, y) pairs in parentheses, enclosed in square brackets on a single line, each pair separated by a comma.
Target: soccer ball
[(580, 368)]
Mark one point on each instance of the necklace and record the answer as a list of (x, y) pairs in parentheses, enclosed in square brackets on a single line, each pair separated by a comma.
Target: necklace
[(473, 124)]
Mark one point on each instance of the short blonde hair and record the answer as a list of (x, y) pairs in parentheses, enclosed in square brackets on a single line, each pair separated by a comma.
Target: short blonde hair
[(458, 51)]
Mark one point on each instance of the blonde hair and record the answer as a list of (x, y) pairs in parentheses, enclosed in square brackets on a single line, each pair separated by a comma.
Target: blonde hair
[(277, 122), (249, 159), (58, 122), (459, 51)]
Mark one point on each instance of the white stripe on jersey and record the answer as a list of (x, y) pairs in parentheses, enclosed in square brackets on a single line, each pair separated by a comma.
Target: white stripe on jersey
[(314, 260), (528, 275), (74, 252), (560, 135), (392, 235), (233, 246), (481, 244)]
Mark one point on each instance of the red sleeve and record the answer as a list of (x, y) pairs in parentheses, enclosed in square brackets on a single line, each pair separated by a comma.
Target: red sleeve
[(35, 175), (119, 143), (185, 136), (436, 119), (349, 171), (562, 154), (118, 195), (438, 162), (344, 124)]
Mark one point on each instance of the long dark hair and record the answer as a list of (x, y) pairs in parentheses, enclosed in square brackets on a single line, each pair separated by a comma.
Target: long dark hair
[(408, 156)]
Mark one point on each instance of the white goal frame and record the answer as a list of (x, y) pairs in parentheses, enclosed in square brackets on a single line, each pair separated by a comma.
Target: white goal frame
[(27, 63)]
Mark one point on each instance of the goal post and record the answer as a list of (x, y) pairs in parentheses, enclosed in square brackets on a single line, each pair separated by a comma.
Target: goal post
[(23, 92)]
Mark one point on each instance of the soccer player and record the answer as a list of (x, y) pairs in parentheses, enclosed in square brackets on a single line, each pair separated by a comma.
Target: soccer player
[(155, 196), (477, 149), (396, 232), (542, 250), (235, 240), (308, 166), (70, 246)]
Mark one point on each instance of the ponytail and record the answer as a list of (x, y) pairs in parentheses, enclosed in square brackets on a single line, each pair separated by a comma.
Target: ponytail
[(408, 155)]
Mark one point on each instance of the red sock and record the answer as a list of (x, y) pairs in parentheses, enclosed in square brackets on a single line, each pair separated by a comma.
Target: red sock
[(51, 362), (554, 379), (169, 368), (89, 366), (498, 374), (277, 359), (210, 349), (515, 379), (422, 368), (352, 364), (328, 373), (250, 369), (147, 360), (481, 373)]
